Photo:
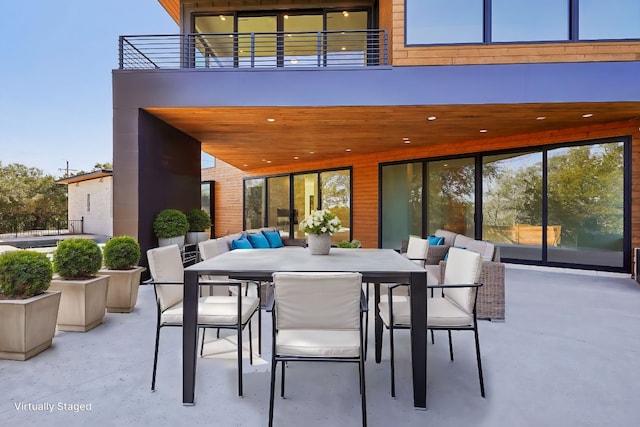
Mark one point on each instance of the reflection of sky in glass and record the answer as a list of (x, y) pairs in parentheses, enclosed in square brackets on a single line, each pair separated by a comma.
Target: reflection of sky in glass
[(444, 21), (526, 20), (611, 19)]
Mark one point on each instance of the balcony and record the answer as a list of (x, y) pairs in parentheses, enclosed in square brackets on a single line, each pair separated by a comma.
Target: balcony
[(318, 49)]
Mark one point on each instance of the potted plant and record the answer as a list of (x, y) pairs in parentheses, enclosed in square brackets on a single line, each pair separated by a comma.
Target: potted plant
[(353, 244), (84, 294), (199, 221), (170, 226), (28, 311), (121, 257), (320, 225)]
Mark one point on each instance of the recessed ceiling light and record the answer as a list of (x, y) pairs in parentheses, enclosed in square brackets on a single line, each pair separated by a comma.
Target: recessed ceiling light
[(406, 138), (540, 118), (343, 48), (431, 118), (483, 131), (245, 165), (345, 13), (348, 150), (586, 116), (268, 161), (271, 120), (264, 160), (222, 18), (295, 157), (286, 16), (312, 152)]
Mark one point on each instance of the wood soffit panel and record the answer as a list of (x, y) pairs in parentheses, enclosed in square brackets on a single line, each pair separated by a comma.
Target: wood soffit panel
[(244, 138)]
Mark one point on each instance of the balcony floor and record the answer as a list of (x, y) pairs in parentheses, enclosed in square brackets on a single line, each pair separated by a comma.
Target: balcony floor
[(567, 355)]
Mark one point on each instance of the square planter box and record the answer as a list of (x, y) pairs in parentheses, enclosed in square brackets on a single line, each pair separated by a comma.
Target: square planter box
[(123, 289), (83, 302), (27, 326)]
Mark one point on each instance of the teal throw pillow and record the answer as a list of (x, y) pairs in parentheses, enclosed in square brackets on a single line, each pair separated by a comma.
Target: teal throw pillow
[(258, 241), (435, 240), (274, 239), (241, 243)]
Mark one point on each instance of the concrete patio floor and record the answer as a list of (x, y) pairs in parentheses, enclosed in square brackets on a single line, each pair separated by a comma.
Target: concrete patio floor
[(568, 354)]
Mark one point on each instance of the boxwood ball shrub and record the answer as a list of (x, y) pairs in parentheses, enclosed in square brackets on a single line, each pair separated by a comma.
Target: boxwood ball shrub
[(199, 220), (77, 258), (170, 223), (121, 253), (24, 274)]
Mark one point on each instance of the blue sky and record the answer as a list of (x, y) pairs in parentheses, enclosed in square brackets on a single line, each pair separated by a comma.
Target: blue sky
[(55, 77)]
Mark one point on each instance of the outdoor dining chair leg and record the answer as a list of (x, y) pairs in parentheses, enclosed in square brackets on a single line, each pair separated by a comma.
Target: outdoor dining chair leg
[(366, 324), (204, 331), (433, 341), (450, 345), (239, 360), (274, 365), (155, 358), (284, 366), (475, 331), (250, 345)]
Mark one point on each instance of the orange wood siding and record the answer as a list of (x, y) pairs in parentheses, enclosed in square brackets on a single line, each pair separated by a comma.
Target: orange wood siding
[(499, 53), (228, 196)]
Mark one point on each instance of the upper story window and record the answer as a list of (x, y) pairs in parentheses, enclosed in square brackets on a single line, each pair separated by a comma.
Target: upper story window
[(444, 21), (611, 19), (515, 21), (526, 20)]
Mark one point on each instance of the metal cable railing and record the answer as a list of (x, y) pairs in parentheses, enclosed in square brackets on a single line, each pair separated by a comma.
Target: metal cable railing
[(353, 48)]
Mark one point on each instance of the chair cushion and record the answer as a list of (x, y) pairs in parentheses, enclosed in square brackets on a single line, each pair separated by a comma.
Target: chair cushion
[(449, 236), (318, 343), (165, 265), (463, 267), (442, 312), (401, 312), (417, 249), (273, 237), (258, 241), (209, 248), (241, 243), (223, 310), (485, 249)]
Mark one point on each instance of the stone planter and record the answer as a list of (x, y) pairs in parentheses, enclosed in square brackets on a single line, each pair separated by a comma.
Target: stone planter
[(28, 325), (178, 240), (83, 302), (122, 295), (319, 244), (195, 237)]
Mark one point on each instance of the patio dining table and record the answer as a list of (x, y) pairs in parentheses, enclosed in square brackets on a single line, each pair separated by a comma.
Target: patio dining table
[(375, 265)]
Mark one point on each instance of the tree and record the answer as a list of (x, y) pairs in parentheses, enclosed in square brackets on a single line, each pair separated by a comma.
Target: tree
[(29, 199)]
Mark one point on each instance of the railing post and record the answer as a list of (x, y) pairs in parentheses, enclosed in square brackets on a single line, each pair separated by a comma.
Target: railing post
[(82, 225), (121, 52)]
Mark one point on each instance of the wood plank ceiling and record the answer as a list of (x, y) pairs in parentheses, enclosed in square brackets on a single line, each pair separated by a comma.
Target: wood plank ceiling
[(246, 138)]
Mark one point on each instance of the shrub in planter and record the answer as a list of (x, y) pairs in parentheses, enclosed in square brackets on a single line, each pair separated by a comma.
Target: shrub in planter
[(170, 223), (199, 220), (121, 256), (77, 258), (354, 244), (28, 312), (121, 253), (24, 274), (84, 294)]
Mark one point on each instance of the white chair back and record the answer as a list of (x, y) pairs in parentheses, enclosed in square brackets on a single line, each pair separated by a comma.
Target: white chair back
[(463, 267), (209, 249), (417, 249), (318, 301), (165, 265)]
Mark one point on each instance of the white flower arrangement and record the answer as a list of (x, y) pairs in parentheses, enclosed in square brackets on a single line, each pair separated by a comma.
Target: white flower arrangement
[(319, 222)]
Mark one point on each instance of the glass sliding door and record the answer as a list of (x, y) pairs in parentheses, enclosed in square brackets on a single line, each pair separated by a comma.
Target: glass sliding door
[(586, 204), (451, 195), (512, 204), (336, 196), (401, 203), (257, 44), (278, 213), (254, 202), (301, 39), (305, 198)]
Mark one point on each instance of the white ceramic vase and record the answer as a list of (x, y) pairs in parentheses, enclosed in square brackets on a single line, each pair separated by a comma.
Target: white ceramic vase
[(319, 244)]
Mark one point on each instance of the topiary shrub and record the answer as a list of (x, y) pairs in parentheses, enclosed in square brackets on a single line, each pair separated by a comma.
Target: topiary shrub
[(121, 253), (24, 274), (199, 220), (170, 223), (77, 258), (354, 244)]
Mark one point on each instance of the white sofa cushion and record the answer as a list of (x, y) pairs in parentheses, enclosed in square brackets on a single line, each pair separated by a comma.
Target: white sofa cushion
[(484, 248)]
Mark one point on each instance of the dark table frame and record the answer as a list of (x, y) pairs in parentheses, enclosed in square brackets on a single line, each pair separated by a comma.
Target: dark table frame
[(375, 265)]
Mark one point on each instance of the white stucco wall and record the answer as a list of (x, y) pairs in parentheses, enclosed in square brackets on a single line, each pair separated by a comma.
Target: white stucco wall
[(98, 215)]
